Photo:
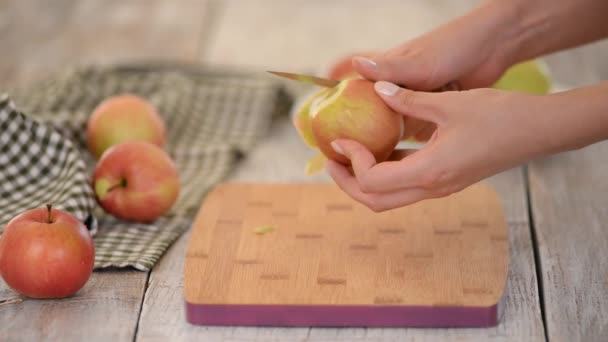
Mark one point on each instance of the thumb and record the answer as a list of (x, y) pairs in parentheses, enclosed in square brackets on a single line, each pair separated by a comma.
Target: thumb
[(410, 72), (419, 105)]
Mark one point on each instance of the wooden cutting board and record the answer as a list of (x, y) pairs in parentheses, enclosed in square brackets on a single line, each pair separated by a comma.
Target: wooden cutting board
[(330, 261)]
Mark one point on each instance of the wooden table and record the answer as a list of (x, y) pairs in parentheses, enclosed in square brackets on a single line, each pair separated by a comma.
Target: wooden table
[(557, 207)]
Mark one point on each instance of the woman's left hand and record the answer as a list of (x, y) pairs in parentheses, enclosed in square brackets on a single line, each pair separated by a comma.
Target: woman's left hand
[(479, 133)]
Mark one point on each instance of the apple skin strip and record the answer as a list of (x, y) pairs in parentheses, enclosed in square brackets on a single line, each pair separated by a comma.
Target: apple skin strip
[(315, 164)]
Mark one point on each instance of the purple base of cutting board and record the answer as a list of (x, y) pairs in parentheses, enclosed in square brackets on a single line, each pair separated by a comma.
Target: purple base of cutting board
[(341, 316)]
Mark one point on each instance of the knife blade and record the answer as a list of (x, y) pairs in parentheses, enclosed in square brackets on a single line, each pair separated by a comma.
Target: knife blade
[(323, 82)]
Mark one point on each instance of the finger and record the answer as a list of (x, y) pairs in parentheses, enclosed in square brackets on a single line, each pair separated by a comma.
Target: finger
[(360, 157), (413, 73), (377, 202), (419, 105), (383, 202), (387, 176), (344, 179), (363, 164)]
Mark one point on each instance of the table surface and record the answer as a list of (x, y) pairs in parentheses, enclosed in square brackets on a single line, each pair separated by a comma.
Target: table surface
[(556, 207)]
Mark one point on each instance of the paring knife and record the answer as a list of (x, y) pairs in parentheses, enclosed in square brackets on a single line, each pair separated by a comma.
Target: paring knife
[(324, 82)]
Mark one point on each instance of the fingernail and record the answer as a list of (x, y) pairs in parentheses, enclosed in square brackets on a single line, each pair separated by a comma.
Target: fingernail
[(386, 88), (366, 62), (337, 148)]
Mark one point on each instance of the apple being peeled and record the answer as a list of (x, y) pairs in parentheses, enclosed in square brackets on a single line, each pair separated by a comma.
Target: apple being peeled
[(136, 181), (46, 253), (123, 118), (350, 110), (415, 130)]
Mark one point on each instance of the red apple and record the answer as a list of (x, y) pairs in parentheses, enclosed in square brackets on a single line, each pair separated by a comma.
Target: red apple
[(414, 129), (350, 110), (123, 118), (136, 181), (46, 253)]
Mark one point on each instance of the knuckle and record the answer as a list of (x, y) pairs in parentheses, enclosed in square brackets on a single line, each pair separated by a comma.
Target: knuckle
[(408, 101), (487, 92), (353, 149), (375, 205), (366, 184), (377, 208), (442, 192), (429, 179), (436, 177), (496, 96), (447, 190), (357, 149)]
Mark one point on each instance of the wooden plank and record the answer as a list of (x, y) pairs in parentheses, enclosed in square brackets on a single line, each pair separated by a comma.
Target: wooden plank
[(163, 310), (27, 29), (105, 309), (569, 194), (38, 38), (305, 35)]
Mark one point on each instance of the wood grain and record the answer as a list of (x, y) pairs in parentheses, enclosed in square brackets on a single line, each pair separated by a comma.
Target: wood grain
[(27, 29), (306, 35), (521, 321), (427, 254), (38, 38), (105, 309), (569, 195)]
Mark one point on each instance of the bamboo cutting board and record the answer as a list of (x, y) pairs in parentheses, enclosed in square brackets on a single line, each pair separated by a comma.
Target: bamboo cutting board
[(330, 261)]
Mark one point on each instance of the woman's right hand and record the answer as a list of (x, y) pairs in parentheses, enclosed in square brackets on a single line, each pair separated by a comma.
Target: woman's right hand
[(467, 52), (472, 50)]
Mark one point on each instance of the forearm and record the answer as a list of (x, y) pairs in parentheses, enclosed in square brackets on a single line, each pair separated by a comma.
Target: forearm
[(534, 28), (576, 118)]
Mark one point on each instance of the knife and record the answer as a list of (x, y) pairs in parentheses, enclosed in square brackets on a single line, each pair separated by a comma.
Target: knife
[(323, 82)]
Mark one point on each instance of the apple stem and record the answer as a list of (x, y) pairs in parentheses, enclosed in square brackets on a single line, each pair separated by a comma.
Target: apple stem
[(120, 184), (49, 207)]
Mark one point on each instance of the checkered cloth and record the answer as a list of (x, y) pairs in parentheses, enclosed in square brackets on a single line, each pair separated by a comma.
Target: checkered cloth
[(39, 166), (213, 118)]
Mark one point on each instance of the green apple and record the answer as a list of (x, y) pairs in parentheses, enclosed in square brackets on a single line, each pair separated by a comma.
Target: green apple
[(525, 77)]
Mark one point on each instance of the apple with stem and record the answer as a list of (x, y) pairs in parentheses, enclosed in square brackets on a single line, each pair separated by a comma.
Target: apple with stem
[(136, 181), (46, 253)]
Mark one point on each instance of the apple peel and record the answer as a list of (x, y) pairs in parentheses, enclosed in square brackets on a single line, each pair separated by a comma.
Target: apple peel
[(315, 164), (263, 230), (303, 123)]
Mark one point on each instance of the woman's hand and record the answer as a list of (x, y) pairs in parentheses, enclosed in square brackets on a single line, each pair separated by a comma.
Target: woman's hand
[(475, 49), (469, 50), (465, 53), (479, 133)]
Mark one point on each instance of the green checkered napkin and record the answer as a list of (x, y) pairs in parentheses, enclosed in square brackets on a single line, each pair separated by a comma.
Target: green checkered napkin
[(213, 118)]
